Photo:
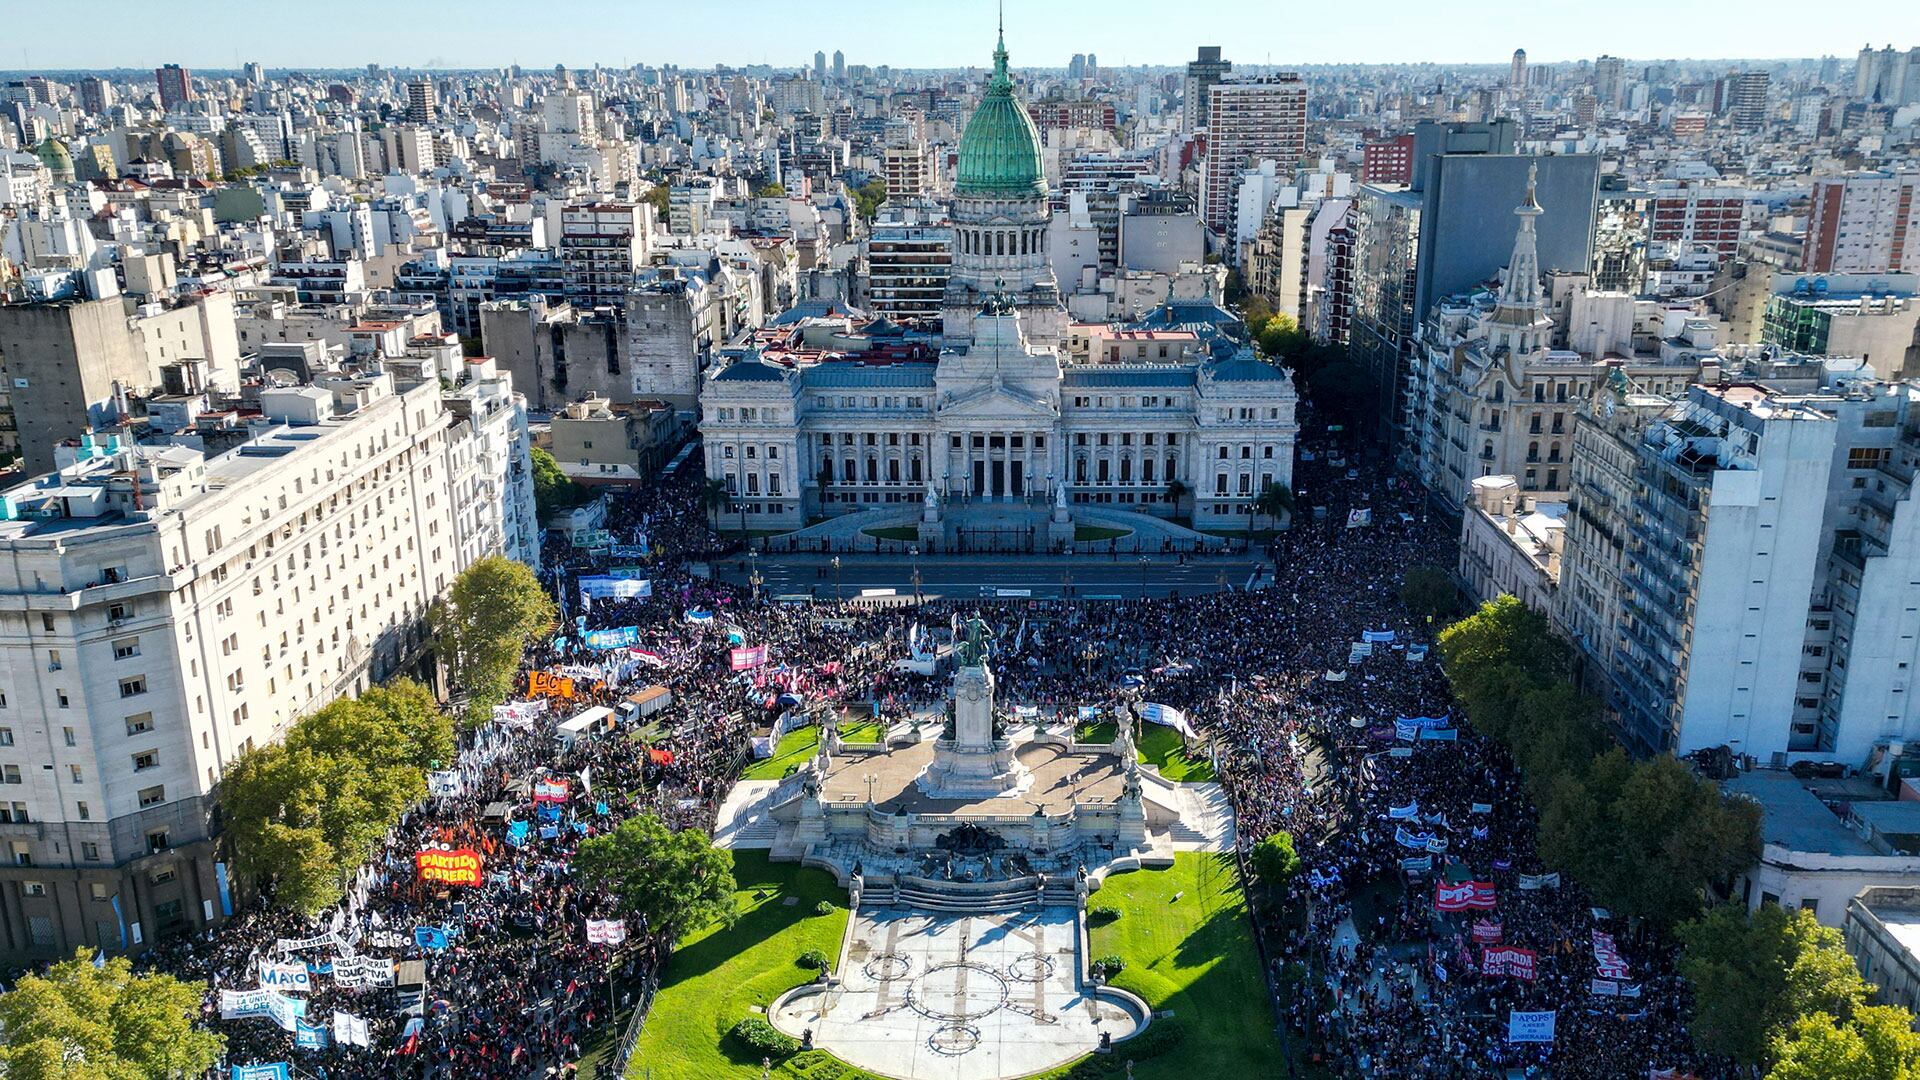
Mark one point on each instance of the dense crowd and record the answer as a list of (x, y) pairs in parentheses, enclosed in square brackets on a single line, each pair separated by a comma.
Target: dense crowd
[(1376, 980)]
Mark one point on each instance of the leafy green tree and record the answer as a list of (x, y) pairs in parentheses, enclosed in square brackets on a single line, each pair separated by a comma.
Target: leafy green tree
[(1737, 966), (79, 1022), (553, 490), (395, 724), (1274, 502), (672, 882), (1274, 860), (1877, 1044), (1503, 631), (1177, 491), (868, 197), (657, 196), (1282, 340), (1429, 591), (1255, 313), (483, 625), (770, 191), (1555, 732), (718, 500)]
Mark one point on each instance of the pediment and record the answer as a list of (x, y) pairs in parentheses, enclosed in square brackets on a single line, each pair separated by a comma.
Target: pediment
[(992, 401)]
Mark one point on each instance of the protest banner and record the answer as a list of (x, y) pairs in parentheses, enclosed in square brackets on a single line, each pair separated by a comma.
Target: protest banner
[(1531, 1027), (1508, 960), (458, 866), (746, 657), (285, 977)]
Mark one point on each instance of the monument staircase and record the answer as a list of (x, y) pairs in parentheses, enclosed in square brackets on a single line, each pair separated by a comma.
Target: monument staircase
[(969, 897)]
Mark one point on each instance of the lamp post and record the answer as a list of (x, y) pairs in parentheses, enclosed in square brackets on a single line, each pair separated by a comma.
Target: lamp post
[(1144, 563), (754, 578), (914, 554), (1066, 585), (836, 579)]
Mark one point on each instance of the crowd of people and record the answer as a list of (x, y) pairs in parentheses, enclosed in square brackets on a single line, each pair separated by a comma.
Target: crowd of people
[(1358, 757)]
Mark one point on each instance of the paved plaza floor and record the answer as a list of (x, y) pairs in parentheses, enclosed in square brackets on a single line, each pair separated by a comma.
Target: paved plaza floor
[(958, 997)]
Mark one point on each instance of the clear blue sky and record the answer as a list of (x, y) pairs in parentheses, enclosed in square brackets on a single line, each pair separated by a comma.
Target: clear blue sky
[(56, 34)]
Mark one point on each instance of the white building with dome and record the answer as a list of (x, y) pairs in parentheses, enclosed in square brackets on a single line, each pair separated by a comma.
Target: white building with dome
[(999, 418)]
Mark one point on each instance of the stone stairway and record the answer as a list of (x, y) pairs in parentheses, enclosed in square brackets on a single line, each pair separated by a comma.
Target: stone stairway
[(967, 897)]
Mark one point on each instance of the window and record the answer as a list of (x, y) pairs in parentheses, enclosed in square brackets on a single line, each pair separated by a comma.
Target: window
[(156, 841), (146, 759), (153, 796), (10, 774), (85, 812), (133, 687), (119, 612), (126, 648), (67, 736), (90, 851), (140, 723), (74, 773), (34, 888), (6, 736), (14, 813)]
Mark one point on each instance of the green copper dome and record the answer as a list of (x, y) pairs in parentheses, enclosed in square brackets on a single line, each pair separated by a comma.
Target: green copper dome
[(1000, 151)]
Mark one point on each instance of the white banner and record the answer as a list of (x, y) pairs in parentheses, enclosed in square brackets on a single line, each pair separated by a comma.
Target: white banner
[(606, 931), (293, 977), (445, 784), (357, 971), (350, 1030), (620, 588), (1531, 1027), (1167, 716)]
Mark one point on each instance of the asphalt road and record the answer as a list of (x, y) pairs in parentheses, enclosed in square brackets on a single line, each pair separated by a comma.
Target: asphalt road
[(979, 575)]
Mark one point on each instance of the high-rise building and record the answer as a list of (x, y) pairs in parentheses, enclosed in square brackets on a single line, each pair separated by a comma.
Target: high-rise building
[(1517, 71), (1388, 161), (96, 94), (176, 86), (601, 245), (839, 66), (1202, 73), (1864, 223), (1747, 100), (421, 100), (254, 73), (1077, 67), (1887, 77), (820, 66), (909, 257), (1609, 81), (1250, 121)]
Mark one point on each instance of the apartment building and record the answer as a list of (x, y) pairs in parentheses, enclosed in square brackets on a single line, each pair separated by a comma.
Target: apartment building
[(1249, 121), (1864, 223), (162, 610)]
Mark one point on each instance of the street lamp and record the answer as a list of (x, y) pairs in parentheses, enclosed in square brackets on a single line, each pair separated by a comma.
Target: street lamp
[(754, 578), (1066, 585), (836, 579), (1144, 563), (914, 554)]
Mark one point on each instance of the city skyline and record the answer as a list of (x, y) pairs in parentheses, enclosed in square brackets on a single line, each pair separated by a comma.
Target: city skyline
[(956, 35)]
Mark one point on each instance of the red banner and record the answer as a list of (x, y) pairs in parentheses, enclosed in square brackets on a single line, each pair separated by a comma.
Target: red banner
[(1487, 931), (460, 866), (1464, 896), (1507, 960)]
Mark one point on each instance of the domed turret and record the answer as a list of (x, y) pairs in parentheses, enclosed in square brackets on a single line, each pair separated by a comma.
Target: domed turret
[(53, 154), (1000, 150)]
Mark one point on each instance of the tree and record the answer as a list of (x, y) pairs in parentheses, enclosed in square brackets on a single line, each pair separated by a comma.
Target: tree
[(304, 814), (1877, 1044), (1274, 502), (1274, 860), (658, 196), (868, 197), (770, 191), (673, 882), (79, 1022), (483, 625), (1282, 340), (718, 500), (1503, 631), (1255, 313), (1177, 491), (1429, 591), (553, 490)]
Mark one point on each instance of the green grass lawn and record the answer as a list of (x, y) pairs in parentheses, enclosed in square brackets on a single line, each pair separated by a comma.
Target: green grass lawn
[(1159, 746), (793, 750), (717, 975), (1103, 732), (893, 532), (1196, 956), (863, 732), (1085, 533)]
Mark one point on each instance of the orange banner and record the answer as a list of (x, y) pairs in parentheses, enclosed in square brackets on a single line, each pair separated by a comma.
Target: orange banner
[(460, 866), (546, 682)]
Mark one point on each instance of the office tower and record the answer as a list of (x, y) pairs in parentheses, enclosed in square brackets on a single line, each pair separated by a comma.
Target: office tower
[(1388, 161), (421, 100), (254, 73), (176, 86), (96, 95), (839, 66), (1249, 122), (1609, 81), (1517, 72), (1077, 67), (1864, 223), (820, 66), (1747, 100), (1093, 66), (1202, 73)]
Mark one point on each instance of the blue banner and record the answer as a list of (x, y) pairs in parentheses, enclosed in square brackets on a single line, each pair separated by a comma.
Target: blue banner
[(121, 919), (308, 1037), (275, 1071), (220, 881), (434, 938), (618, 637), (517, 832)]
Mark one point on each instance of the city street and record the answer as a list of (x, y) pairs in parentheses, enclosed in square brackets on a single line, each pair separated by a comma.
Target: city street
[(1084, 576)]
